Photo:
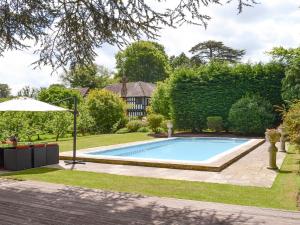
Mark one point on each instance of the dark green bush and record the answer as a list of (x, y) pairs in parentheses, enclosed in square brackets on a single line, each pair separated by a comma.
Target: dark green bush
[(211, 89), (214, 123), (134, 125), (155, 121), (251, 115)]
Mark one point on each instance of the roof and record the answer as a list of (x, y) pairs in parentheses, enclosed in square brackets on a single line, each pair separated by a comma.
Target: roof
[(83, 90), (134, 89)]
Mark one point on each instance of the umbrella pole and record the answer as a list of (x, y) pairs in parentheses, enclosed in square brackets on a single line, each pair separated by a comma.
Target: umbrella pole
[(74, 161)]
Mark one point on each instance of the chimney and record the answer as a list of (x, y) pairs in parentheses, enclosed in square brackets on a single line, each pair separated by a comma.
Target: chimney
[(124, 88)]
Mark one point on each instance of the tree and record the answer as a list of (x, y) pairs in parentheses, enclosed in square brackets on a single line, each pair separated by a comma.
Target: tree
[(59, 95), (28, 91), (70, 31), (290, 58), (216, 50), (160, 100), (4, 91), (86, 122), (60, 123), (107, 109), (11, 123), (183, 61), (291, 82), (92, 76), (143, 61), (284, 55)]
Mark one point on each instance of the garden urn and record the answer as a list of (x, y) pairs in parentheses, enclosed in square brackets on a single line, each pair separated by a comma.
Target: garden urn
[(272, 136), (282, 138), (169, 126)]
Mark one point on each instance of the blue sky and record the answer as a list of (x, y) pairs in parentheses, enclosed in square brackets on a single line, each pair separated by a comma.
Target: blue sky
[(257, 30)]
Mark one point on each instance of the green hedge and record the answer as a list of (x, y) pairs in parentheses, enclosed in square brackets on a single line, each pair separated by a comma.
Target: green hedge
[(212, 89)]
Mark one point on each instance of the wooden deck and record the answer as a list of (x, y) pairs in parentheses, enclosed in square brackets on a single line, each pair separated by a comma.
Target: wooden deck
[(28, 202)]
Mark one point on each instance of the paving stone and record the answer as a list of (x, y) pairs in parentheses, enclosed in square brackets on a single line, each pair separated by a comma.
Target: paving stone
[(251, 170)]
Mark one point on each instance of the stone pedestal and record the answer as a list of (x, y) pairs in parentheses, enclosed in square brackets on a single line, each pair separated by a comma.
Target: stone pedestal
[(170, 126), (272, 156), (282, 144)]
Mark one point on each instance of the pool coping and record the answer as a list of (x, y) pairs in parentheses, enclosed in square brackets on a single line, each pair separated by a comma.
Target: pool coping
[(215, 166)]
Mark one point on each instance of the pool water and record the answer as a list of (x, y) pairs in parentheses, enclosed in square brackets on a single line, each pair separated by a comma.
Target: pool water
[(186, 149)]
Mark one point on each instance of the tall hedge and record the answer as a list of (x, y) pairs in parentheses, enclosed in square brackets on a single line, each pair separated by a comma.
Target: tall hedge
[(212, 89)]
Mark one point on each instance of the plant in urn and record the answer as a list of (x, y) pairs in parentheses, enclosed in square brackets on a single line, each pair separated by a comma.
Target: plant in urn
[(273, 136)]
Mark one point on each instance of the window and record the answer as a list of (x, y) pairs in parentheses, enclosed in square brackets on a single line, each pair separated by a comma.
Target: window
[(139, 101)]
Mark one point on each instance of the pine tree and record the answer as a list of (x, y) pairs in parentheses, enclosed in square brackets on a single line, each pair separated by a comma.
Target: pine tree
[(216, 50)]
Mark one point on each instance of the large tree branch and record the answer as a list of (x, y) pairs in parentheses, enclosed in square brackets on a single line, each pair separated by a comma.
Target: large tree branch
[(69, 31)]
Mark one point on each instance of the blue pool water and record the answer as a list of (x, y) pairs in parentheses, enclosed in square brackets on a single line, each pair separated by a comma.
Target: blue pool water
[(188, 149)]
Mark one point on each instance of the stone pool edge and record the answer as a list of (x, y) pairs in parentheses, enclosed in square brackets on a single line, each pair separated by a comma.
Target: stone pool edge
[(215, 166)]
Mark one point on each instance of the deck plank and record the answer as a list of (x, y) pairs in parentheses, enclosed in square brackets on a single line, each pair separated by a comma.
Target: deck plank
[(28, 202)]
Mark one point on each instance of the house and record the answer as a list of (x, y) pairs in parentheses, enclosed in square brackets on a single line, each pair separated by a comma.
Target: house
[(136, 94)]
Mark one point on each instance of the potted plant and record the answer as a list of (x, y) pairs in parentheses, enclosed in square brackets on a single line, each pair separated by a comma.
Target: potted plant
[(273, 136)]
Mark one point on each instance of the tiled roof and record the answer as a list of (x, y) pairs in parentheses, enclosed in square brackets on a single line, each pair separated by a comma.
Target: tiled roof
[(134, 89)]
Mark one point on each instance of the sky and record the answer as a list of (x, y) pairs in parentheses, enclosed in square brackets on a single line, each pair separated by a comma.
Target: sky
[(257, 29)]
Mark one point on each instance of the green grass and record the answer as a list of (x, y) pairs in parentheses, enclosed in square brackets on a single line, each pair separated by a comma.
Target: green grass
[(283, 193), (90, 141)]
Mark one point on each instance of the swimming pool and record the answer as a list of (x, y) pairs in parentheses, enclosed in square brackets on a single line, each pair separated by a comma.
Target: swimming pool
[(177, 149)]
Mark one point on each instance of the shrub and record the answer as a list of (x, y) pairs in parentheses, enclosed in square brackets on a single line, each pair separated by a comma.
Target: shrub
[(119, 124), (160, 130), (143, 129), (106, 108), (251, 115), (155, 121), (214, 123), (122, 131), (134, 125), (212, 89), (291, 122), (160, 100)]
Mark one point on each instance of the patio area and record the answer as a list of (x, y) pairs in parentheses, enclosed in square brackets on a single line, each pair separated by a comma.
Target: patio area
[(250, 170)]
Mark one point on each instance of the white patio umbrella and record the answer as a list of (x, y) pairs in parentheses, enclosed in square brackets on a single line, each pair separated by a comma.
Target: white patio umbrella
[(28, 105), (24, 104)]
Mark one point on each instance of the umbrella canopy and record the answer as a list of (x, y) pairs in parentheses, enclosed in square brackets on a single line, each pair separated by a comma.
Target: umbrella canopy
[(28, 105)]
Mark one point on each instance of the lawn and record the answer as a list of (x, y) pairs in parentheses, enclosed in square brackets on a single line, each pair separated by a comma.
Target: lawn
[(66, 144), (283, 193)]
